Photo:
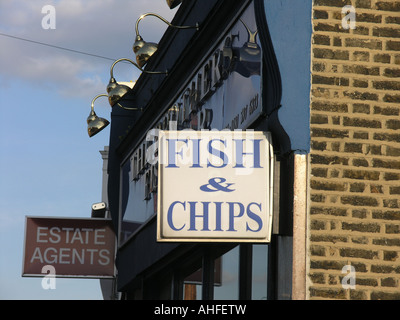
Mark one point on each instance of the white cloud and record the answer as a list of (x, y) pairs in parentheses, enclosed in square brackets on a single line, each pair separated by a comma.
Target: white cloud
[(105, 28)]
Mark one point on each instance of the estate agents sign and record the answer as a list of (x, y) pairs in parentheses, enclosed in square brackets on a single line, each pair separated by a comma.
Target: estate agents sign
[(74, 247), (215, 186)]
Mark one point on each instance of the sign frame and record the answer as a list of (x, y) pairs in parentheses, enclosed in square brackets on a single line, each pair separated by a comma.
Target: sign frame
[(106, 222), (162, 234)]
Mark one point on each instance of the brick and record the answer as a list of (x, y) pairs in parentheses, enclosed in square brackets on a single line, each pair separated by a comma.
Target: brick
[(388, 6), (374, 188), (386, 215), (358, 122), (358, 253), (361, 108), (328, 186), (369, 71), (329, 133), (317, 277), (390, 203), (315, 145), (383, 58), (318, 119), (356, 95), (319, 172), (321, 39), (359, 201), (320, 14), (392, 73), (339, 212), (386, 85), (332, 293), (329, 27), (387, 137), (394, 190), (361, 227), (367, 282), (390, 176), (327, 264), (360, 83), (328, 160), (392, 229), (360, 135), (337, 42), (361, 56), (318, 225), (357, 187), (388, 164), (360, 163), (368, 17), (393, 45), (373, 149), (358, 295), (390, 255), (389, 282), (328, 238), (338, 81), (317, 198), (366, 4), (386, 111), (391, 19), (353, 147), (393, 124), (380, 295), (386, 32), (329, 106), (395, 98), (364, 43), (359, 213), (387, 242), (331, 54), (361, 174), (319, 67)]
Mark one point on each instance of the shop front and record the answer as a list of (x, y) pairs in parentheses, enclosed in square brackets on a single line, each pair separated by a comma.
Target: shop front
[(223, 224)]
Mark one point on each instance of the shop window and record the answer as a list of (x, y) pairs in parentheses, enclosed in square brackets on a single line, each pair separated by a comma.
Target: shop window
[(259, 272), (228, 289), (192, 286), (136, 185)]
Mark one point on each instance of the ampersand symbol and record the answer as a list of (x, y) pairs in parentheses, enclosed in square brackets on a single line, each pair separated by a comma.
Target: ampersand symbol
[(216, 184)]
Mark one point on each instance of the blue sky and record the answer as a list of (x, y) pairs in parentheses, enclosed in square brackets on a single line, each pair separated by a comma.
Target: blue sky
[(48, 164)]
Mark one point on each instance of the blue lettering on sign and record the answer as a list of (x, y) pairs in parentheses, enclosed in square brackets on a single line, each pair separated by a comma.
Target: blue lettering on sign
[(215, 150), (221, 154), (220, 210), (240, 153)]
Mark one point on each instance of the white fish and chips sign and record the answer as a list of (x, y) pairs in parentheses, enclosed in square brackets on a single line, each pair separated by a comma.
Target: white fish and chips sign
[(215, 186)]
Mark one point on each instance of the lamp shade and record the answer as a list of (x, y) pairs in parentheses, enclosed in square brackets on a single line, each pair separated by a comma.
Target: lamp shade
[(116, 90), (173, 3), (95, 124)]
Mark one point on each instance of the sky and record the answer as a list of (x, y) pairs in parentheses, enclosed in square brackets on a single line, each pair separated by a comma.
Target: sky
[(48, 164)]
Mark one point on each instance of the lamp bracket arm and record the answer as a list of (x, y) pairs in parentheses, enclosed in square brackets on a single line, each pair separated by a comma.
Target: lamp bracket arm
[(165, 21)]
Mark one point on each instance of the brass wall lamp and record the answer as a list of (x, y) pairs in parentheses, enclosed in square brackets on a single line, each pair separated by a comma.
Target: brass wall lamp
[(144, 50), (116, 91), (96, 124), (173, 3)]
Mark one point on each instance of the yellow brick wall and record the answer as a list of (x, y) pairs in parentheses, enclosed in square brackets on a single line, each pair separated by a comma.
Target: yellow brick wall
[(354, 216)]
